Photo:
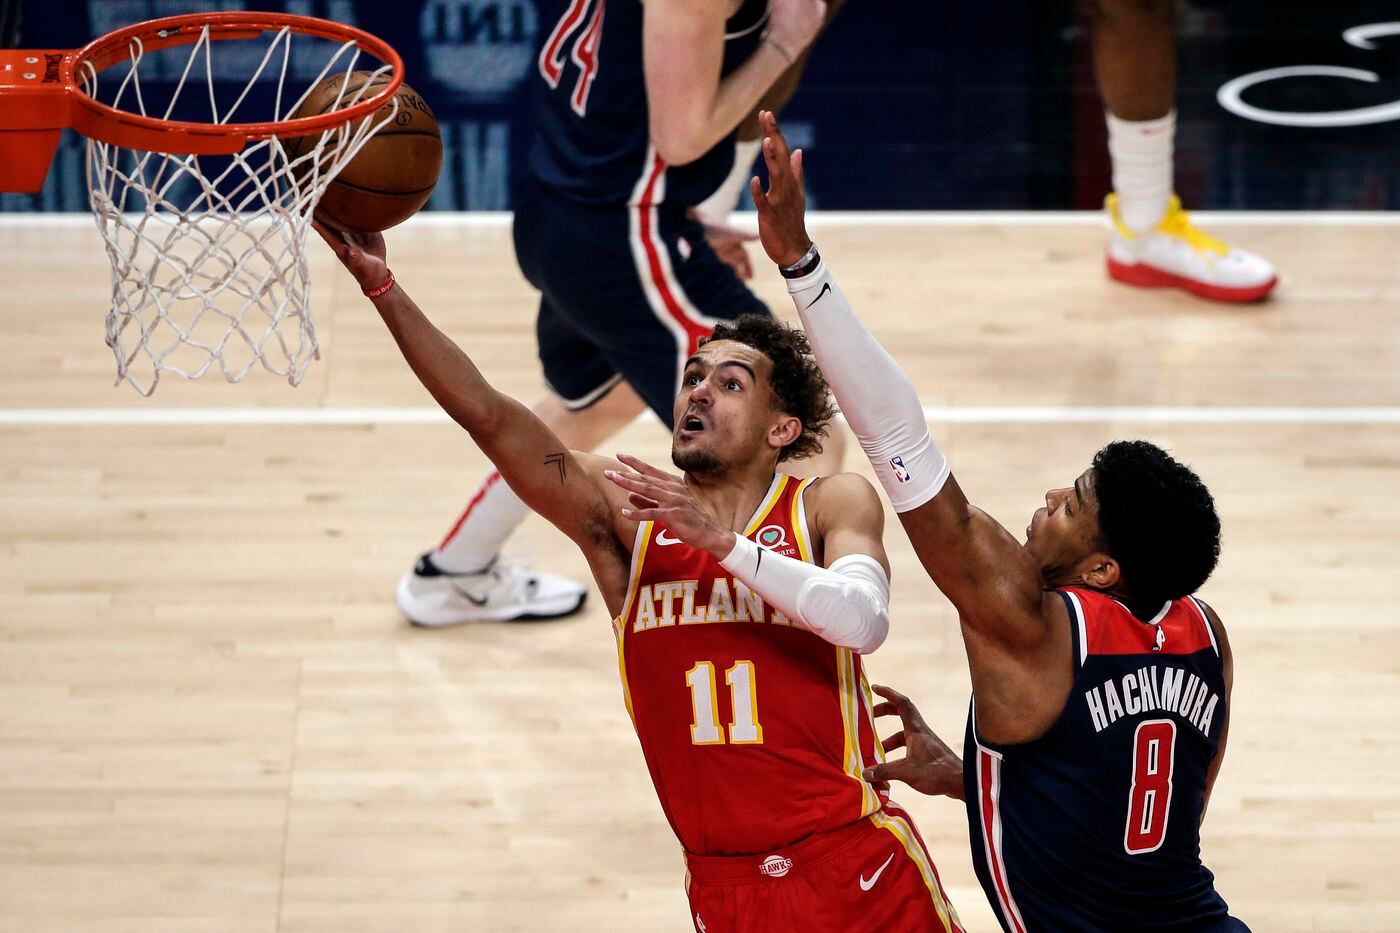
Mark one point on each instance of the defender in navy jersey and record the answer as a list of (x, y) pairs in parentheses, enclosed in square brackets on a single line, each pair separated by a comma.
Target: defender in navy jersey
[(1095, 824), (637, 104), (1101, 686)]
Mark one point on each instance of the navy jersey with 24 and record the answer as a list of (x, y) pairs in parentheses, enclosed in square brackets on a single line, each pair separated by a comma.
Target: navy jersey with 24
[(592, 141), (1095, 825)]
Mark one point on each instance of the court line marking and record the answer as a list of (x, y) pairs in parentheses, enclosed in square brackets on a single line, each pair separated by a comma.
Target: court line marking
[(941, 414), (495, 219)]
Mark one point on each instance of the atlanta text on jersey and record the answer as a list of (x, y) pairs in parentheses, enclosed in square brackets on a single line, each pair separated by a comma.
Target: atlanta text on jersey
[(657, 605)]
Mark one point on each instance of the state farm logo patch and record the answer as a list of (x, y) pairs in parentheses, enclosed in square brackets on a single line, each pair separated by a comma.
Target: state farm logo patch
[(774, 538)]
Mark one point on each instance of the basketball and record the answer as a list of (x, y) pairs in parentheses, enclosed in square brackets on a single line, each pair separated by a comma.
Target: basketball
[(393, 175)]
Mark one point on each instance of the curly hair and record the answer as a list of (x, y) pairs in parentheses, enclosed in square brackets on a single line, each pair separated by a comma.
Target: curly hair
[(799, 389), (1157, 519)]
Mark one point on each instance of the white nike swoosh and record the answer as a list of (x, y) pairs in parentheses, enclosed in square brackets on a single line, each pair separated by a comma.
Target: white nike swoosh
[(867, 885), (663, 540)]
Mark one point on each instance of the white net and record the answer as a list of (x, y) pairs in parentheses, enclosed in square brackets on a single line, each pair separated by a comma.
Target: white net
[(209, 264)]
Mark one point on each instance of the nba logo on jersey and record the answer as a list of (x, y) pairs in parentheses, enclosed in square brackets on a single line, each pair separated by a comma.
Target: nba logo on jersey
[(483, 48), (900, 472), (775, 866), (1161, 639)]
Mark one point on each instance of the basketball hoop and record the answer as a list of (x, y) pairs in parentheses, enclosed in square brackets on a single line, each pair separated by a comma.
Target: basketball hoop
[(205, 220)]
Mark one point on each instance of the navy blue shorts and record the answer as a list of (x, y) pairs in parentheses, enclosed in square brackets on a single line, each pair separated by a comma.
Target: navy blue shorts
[(625, 293)]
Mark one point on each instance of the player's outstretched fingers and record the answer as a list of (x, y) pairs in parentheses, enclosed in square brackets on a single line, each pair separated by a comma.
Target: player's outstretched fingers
[(634, 484), (891, 694), (786, 162), (888, 771), (756, 192), (768, 121), (899, 703), (640, 501), (644, 468), (893, 742), (779, 171)]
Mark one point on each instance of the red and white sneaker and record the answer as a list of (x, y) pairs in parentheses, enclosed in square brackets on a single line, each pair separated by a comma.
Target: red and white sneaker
[(1177, 255)]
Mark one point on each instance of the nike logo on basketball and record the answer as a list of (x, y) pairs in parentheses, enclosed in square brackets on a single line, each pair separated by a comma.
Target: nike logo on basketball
[(663, 540), (826, 287), (867, 885)]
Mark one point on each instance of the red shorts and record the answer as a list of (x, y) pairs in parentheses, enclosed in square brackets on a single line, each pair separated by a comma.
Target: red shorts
[(871, 875)]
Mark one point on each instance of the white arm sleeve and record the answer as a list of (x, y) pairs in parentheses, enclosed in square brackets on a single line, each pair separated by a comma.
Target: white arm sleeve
[(848, 603), (875, 395)]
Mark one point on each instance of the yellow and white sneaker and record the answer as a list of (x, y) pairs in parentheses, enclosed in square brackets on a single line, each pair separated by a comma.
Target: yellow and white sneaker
[(1177, 255)]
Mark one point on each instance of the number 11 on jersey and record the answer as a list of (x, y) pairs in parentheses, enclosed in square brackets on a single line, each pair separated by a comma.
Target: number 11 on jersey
[(743, 698)]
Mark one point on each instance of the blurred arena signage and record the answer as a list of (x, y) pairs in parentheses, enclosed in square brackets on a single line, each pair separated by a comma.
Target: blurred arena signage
[(904, 106), (1231, 94), (481, 48)]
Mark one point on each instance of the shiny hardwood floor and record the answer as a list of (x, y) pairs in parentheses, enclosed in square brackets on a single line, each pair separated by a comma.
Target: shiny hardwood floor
[(212, 717)]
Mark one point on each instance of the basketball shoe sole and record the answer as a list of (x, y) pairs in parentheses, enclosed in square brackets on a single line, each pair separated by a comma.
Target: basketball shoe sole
[(1178, 255)]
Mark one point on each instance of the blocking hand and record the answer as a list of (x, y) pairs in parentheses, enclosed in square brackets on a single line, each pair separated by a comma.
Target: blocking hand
[(781, 210), (929, 765)]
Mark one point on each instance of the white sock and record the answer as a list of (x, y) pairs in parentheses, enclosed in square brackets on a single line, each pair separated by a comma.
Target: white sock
[(1142, 168), (718, 206), (491, 516)]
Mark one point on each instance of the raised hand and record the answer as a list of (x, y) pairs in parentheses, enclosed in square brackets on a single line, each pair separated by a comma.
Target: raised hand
[(656, 495), (782, 208), (364, 254), (929, 765)]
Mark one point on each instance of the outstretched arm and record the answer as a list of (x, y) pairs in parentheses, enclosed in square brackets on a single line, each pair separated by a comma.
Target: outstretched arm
[(566, 489), (977, 564)]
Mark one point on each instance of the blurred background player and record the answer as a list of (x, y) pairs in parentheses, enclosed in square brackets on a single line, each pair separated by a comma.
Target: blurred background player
[(636, 110), (738, 571), (1100, 684), (1152, 242)]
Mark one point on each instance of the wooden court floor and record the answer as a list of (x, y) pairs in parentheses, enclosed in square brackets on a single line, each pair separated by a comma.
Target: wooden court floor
[(212, 718)]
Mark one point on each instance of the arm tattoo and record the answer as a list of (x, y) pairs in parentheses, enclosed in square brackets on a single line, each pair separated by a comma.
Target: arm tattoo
[(557, 460)]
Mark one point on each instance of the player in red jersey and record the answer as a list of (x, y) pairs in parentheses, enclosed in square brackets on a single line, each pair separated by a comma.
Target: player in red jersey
[(1100, 685), (742, 600)]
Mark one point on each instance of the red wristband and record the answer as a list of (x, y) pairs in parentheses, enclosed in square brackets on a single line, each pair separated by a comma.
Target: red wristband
[(376, 292)]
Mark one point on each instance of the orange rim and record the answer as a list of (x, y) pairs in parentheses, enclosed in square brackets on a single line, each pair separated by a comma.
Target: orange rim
[(99, 121)]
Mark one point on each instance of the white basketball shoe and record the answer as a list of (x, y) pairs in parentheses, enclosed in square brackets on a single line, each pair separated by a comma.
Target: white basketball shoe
[(506, 590), (1177, 255)]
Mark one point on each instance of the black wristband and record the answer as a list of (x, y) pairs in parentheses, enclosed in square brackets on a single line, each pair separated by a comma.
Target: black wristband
[(804, 266)]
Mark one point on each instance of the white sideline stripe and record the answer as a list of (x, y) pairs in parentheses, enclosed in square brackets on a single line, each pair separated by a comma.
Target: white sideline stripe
[(957, 414), (867, 218)]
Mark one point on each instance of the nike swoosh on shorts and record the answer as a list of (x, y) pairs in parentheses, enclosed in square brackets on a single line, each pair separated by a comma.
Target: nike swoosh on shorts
[(867, 885)]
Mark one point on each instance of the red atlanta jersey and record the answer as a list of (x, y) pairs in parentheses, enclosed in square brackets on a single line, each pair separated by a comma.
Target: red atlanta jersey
[(755, 730)]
